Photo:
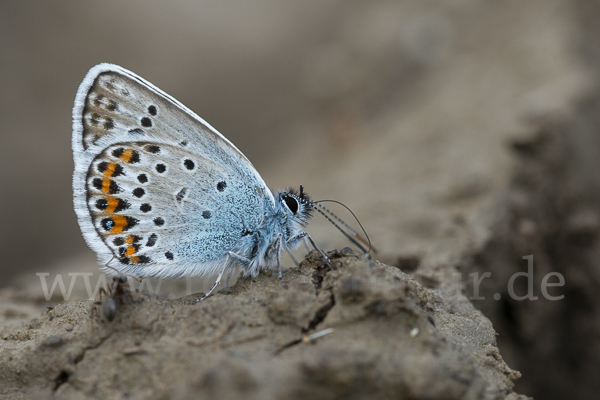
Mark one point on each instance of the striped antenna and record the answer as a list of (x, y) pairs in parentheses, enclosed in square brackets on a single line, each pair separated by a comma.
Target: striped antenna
[(350, 234)]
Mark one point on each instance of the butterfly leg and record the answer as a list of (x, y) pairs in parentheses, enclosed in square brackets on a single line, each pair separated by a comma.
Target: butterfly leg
[(278, 252), (213, 286), (320, 251), (293, 241), (292, 256), (240, 259)]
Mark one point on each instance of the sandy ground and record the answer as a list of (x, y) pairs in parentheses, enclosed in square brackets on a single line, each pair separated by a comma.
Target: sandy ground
[(361, 330)]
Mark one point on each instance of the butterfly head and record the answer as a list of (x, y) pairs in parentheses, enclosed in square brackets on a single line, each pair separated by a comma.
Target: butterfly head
[(297, 204)]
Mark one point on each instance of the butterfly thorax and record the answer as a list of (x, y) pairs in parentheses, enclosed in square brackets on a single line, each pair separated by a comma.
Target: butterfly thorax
[(282, 229)]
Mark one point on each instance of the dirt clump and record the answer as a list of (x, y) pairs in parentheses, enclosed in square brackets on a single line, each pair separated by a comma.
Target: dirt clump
[(358, 330)]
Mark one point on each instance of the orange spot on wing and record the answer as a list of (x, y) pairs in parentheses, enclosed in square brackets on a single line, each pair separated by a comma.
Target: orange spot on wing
[(110, 169), (120, 223), (112, 202), (134, 259), (129, 239), (105, 185), (129, 251), (126, 156)]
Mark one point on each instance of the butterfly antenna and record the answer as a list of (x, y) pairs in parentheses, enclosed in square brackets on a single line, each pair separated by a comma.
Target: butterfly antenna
[(355, 235), (328, 211), (350, 238)]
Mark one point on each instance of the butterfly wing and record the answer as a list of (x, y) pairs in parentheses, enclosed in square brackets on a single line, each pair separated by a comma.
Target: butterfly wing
[(156, 188)]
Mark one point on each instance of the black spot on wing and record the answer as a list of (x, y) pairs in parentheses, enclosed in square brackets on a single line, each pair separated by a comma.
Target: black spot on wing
[(189, 164), (152, 240), (152, 149), (159, 221), (136, 131), (108, 124), (181, 194), (112, 105), (118, 152)]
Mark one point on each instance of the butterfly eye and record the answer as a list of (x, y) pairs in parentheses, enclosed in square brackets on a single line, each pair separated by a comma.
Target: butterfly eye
[(291, 203)]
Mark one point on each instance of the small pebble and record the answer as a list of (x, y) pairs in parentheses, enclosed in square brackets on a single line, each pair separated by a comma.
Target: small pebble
[(53, 341), (35, 323), (347, 251), (133, 350)]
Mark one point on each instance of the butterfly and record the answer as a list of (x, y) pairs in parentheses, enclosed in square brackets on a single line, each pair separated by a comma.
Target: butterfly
[(160, 193)]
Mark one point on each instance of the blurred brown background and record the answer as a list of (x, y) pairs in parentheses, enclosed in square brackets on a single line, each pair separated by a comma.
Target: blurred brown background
[(379, 104)]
